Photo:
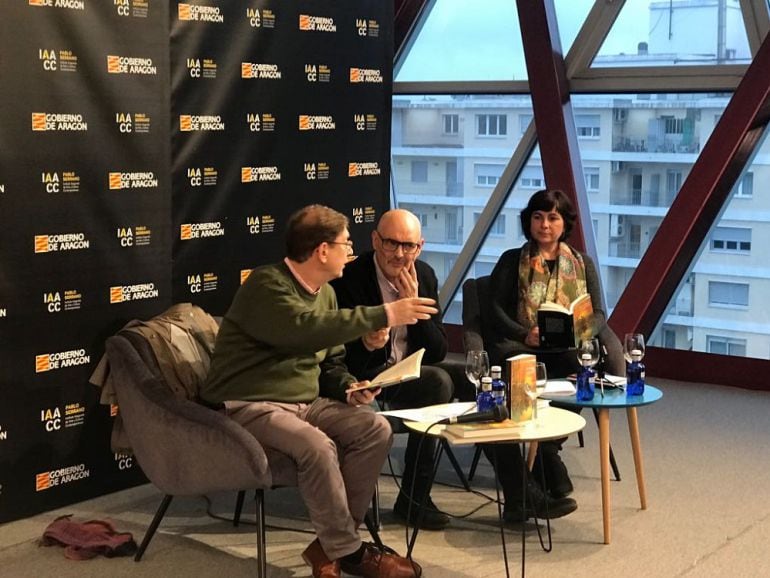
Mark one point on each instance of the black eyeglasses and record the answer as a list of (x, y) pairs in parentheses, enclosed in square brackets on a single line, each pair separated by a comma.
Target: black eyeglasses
[(348, 244), (392, 245)]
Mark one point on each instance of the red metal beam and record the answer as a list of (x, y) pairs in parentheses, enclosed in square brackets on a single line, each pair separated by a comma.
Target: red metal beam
[(552, 108), (698, 204)]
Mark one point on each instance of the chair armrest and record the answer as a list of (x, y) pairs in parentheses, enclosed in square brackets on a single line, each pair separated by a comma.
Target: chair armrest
[(182, 447)]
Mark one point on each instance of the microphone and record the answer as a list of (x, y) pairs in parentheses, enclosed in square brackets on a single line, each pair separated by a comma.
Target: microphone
[(497, 413)]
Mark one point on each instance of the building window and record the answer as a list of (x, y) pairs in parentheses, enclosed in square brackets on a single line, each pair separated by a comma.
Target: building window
[(592, 179), (491, 124), (731, 240), (487, 175), (673, 183), (451, 123), (419, 171), (587, 125), (745, 187), (524, 121), (726, 345), (532, 178), (673, 125), (730, 294), (498, 226), (423, 219)]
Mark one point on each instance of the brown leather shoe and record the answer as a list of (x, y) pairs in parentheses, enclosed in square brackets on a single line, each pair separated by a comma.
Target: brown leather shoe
[(378, 564), (316, 558)]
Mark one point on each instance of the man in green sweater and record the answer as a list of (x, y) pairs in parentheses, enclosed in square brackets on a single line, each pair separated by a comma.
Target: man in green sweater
[(278, 369)]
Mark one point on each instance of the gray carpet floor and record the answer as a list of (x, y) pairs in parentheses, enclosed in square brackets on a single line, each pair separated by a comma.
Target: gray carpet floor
[(707, 465)]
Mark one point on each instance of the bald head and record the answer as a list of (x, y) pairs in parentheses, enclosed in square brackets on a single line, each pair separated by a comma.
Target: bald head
[(400, 219)]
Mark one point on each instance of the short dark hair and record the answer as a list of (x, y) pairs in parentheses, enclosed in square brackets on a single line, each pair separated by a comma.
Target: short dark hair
[(309, 227), (547, 200)]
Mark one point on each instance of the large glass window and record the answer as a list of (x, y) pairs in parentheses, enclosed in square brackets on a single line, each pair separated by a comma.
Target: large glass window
[(676, 33)]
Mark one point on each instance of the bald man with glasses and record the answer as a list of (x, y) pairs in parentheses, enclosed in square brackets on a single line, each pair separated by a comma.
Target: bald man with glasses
[(389, 273)]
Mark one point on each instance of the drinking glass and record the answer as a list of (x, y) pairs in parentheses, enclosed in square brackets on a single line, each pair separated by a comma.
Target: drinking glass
[(476, 366), (541, 378), (631, 342), (589, 347)]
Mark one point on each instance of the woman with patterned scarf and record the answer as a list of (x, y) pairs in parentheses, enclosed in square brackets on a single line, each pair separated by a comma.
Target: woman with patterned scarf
[(544, 269)]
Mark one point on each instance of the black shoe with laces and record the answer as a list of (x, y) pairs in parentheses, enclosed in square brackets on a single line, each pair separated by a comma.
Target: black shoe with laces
[(540, 505), (432, 518)]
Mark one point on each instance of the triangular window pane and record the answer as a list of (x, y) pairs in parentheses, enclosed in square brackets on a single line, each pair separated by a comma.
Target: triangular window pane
[(676, 33), (463, 41)]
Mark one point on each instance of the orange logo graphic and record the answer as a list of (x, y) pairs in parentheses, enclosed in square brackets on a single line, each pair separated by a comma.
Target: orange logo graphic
[(42, 363), (355, 75), (185, 12), (185, 122), (352, 169), (304, 22), (246, 71), (36, 2), (304, 122), (113, 410), (185, 232), (246, 174), (41, 243), (113, 64), (116, 295), (38, 121), (245, 275), (42, 481), (114, 181)]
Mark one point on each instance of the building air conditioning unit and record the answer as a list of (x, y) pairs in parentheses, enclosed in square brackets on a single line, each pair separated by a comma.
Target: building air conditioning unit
[(617, 166), (616, 225)]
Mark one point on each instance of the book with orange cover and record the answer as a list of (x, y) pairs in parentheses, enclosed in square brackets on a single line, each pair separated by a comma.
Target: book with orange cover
[(565, 326), (522, 370)]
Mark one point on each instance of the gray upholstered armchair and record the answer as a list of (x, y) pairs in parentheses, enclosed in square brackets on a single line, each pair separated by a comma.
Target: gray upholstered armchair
[(185, 448)]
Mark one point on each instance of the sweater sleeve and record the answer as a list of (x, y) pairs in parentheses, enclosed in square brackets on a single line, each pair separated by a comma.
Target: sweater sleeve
[(291, 322)]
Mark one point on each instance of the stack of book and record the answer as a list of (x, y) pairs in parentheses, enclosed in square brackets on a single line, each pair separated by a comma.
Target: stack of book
[(483, 429)]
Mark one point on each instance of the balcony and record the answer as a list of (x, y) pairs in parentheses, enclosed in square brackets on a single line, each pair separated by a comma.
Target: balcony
[(642, 198), (625, 249)]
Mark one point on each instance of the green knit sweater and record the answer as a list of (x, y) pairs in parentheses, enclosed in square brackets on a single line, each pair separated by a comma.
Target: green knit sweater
[(277, 342)]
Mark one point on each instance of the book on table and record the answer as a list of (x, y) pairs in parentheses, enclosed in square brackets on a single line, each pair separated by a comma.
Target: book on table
[(523, 377), (483, 429), (564, 326), (405, 370)]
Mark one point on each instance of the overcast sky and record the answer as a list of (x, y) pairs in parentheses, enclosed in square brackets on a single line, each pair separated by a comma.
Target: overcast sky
[(481, 41)]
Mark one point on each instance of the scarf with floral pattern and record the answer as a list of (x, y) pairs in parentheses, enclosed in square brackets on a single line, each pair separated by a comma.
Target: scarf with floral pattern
[(537, 284)]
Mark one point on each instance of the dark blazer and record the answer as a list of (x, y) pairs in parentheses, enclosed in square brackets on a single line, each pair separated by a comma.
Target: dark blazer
[(358, 286)]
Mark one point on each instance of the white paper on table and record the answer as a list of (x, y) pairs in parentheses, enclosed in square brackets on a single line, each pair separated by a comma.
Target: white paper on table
[(432, 413), (558, 387)]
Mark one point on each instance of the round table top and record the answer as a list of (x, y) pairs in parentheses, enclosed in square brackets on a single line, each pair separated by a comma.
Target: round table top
[(551, 423), (613, 398)]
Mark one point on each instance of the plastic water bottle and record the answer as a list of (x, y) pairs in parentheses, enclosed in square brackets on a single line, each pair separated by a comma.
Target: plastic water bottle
[(585, 379), (635, 374), (484, 400), (499, 386)]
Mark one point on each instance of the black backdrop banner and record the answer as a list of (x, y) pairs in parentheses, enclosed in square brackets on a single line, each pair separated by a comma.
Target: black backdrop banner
[(150, 153)]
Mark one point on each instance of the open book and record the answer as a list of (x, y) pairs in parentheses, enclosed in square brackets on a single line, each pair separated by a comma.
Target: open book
[(405, 370), (564, 327)]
